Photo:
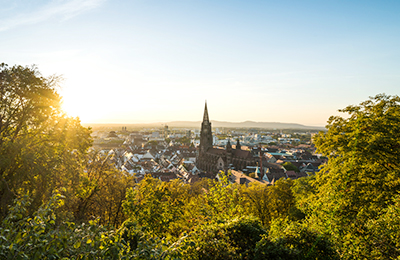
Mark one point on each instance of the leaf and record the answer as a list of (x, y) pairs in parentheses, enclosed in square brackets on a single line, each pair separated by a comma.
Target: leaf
[(77, 245)]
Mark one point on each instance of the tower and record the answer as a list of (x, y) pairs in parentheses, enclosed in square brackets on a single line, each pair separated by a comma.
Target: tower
[(228, 154), (205, 134), (238, 146), (261, 163), (229, 147)]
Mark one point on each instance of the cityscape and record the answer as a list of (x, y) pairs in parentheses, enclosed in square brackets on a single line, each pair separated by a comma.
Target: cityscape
[(199, 130), (251, 155)]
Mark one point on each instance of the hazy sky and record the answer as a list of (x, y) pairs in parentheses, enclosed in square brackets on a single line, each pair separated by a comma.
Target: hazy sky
[(159, 60)]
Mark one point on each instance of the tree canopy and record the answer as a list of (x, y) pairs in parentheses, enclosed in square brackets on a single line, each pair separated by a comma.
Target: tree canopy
[(362, 176), (41, 148)]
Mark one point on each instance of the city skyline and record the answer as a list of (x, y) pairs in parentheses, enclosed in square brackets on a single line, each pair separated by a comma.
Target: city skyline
[(158, 61)]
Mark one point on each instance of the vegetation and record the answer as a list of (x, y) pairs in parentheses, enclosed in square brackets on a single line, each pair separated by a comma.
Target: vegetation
[(61, 200), (183, 140), (41, 148), (290, 167), (360, 183)]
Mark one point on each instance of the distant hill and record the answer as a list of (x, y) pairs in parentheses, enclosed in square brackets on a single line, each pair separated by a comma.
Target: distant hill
[(197, 124), (246, 124)]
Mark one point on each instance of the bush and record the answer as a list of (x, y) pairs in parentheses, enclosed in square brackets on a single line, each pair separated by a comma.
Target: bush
[(41, 237), (293, 240), (235, 239)]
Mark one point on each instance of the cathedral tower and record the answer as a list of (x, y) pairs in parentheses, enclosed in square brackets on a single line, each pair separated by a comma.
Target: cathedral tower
[(205, 134)]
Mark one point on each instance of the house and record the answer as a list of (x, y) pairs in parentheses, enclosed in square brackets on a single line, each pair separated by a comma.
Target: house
[(240, 178)]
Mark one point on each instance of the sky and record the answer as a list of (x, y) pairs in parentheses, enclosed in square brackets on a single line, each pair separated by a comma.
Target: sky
[(141, 61)]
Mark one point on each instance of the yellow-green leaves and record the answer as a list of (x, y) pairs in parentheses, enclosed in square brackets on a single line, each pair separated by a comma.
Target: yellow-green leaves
[(361, 177)]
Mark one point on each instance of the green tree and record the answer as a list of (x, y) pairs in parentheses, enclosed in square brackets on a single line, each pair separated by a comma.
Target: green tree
[(270, 202), (294, 240), (256, 201), (159, 206), (222, 201), (385, 232), (362, 175), (230, 239), (183, 140), (170, 208), (44, 236), (290, 167), (100, 192), (40, 148)]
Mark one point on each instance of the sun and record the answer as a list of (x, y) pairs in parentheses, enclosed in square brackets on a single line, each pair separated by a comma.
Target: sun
[(88, 111)]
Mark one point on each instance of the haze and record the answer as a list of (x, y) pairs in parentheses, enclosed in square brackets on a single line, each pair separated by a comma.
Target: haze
[(157, 60)]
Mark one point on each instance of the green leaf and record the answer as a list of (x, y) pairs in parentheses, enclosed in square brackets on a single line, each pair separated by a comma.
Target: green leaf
[(77, 245)]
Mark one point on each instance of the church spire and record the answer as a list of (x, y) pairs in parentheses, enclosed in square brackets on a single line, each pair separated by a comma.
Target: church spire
[(205, 116), (229, 146), (238, 146), (206, 139)]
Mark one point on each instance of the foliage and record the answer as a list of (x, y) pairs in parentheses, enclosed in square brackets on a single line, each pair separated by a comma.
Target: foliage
[(162, 207), (183, 140), (303, 191), (385, 232), (299, 241), (41, 237), (290, 167), (222, 200), (270, 202), (171, 208), (232, 239), (41, 148), (361, 177), (100, 191)]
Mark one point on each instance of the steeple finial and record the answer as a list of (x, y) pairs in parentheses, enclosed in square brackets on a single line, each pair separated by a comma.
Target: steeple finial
[(205, 116)]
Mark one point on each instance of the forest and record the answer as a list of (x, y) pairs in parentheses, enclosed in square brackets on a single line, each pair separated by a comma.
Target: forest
[(60, 199)]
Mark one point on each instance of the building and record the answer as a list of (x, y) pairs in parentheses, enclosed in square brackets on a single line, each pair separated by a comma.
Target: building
[(212, 159)]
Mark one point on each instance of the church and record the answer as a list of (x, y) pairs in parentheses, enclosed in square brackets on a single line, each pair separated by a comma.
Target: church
[(212, 159)]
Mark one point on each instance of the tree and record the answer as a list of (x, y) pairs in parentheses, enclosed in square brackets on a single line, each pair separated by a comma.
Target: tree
[(270, 202), (170, 208), (290, 167), (100, 192), (41, 148), (230, 239), (362, 175), (293, 240), (256, 201), (385, 232), (43, 236), (161, 207)]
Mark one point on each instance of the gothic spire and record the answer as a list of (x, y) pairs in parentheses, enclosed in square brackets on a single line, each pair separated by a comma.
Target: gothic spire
[(229, 146), (238, 146), (205, 116)]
